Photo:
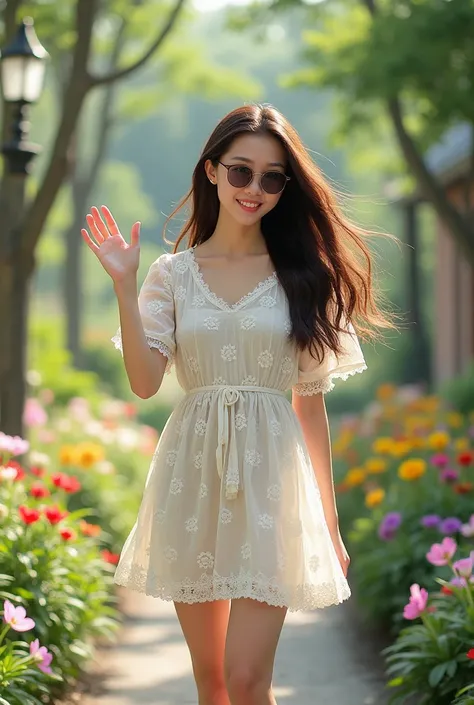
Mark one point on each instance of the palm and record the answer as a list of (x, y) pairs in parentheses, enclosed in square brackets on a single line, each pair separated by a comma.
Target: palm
[(119, 259)]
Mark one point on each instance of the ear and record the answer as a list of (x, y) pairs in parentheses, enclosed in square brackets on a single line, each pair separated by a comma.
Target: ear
[(211, 171)]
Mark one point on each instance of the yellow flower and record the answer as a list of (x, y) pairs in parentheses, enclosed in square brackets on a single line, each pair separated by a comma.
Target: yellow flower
[(412, 469), (454, 419), (386, 392), (355, 476), (382, 445), (89, 454), (439, 440), (375, 497), (68, 455), (376, 465), (461, 444), (401, 448)]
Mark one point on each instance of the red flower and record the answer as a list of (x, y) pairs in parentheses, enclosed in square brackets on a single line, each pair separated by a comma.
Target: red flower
[(37, 490), (27, 515), (110, 557), (447, 591), (470, 653), (36, 470), (463, 487), (20, 473), (67, 534), (465, 458), (65, 482), (54, 515)]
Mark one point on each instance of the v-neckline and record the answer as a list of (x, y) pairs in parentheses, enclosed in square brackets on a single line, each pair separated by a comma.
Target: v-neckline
[(261, 286)]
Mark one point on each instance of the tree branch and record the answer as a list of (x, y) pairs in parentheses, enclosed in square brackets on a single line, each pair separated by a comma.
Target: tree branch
[(73, 99), (460, 226), (118, 75)]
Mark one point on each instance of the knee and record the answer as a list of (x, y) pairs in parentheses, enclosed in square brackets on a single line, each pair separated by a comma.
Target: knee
[(246, 684), (210, 682)]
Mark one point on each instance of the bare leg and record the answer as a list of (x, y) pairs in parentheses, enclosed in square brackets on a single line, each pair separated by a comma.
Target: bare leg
[(252, 639), (204, 627)]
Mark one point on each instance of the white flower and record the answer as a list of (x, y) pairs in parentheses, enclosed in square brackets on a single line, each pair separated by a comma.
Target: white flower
[(37, 458), (253, 457), (286, 365), (287, 327), (176, 485), (170, 554), (202, 490), (274, 492), (171, 456), (240, 421), (200, 427), (249, 381), (155, 306), (179, 426), (219, 381), (275, 427), (248, 322), (211, 323), (181, 265), (267, 301), (167, 281), (314, 562), (205, 560), (246, 551), (225, 516), (180, 293), (198, 301), (198, 460), (265, 521), (160, 515), (3, 511), (191, 524), (265, 359), (193, 364), (229, 353)]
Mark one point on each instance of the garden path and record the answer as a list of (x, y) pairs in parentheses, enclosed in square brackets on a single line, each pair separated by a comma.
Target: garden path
[(325, 657)]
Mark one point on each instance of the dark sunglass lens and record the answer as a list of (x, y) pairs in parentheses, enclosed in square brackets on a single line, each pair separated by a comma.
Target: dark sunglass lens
[(273, 181), (240, 176)]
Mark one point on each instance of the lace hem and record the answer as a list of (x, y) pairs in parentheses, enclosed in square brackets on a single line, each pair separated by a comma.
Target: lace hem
[(220, 302), (152, 343), (325, 385), (244, 585)]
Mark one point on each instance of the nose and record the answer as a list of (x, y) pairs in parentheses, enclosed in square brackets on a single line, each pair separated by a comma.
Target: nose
[(255, 185)]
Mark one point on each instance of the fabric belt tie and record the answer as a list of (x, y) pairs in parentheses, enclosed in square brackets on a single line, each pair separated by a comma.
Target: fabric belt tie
[(227, 398)]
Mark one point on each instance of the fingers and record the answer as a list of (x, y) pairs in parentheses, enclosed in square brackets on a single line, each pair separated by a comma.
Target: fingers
[(97, 226), (135, 235), (109, 219), (89, 242)]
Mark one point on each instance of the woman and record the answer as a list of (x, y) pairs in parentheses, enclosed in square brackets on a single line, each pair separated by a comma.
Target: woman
[(238, 521)]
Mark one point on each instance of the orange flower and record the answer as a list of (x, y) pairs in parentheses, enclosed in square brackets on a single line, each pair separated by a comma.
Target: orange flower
[(412, 469), (89, 454), (463, 487), (68, 455), (375, 497), (89, 529), (386, 392), (439, 440), (383, 445), (454, 419), (356, 476), (376, 465)]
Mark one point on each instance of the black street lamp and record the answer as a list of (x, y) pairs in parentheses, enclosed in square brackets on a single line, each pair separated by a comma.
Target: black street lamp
[(22, 68)]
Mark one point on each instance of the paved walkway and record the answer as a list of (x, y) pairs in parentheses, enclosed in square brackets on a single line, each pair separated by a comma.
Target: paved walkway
[(324, 658)]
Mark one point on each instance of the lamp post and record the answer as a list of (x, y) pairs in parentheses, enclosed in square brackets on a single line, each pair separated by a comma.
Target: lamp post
[(22, 68)]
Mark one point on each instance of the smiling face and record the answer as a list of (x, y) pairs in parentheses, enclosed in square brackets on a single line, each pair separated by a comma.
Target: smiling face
[(260, 153)]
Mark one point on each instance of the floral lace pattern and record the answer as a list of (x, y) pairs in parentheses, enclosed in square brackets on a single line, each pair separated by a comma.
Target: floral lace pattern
[(325, 385), (256, 586), (152, 343)]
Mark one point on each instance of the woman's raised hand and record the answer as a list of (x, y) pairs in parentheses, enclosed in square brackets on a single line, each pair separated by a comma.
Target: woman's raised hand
[(119, 259)]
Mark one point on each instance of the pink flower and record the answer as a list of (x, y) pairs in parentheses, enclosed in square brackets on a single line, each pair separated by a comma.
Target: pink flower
[(42, 656), (464, 567), (458, 582), (468, 529), (34, 414), (13, 445), (16, 617), (441, 553), (417, 603), (440, 460)]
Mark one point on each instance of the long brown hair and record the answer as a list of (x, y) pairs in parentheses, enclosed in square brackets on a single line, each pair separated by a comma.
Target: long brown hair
[(320, 257)]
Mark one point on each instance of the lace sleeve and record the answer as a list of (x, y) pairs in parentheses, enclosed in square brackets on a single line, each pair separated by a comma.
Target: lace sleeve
[(316, 378), (156, 305)]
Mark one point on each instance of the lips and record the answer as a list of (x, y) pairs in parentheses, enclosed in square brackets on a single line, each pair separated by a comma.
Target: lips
[(249, 206)]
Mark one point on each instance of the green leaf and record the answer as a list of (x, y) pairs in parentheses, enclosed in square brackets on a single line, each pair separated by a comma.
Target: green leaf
[(437, 674)]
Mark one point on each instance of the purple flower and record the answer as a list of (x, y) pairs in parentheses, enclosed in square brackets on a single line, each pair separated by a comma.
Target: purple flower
[(430, 521), (449, 475), (451, 525), (389, 525)]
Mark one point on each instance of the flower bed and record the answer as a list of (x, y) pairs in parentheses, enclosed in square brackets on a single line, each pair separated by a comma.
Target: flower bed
[(65, 511), (404, 475)]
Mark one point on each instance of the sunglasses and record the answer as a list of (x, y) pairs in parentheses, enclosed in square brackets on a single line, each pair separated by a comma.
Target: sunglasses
[(272, 182)]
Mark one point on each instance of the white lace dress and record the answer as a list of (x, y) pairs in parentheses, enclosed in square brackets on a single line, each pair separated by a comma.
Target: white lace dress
[(231, 506)]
